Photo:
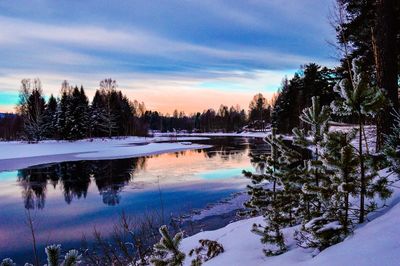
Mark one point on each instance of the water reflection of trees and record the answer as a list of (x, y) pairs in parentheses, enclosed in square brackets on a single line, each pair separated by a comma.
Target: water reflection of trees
[(111, 176), (74, 179), (232, 148), (227, 148)]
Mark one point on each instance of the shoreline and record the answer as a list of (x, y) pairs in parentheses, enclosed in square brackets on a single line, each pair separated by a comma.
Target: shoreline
[(16, 155)]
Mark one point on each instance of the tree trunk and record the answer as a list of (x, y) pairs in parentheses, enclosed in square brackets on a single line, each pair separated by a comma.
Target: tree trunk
[(385, 52), (362, 174)]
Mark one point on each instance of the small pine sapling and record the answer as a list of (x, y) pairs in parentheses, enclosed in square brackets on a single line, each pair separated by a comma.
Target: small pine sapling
[(269, 197), (166, 251), (72, 258), (7, 262), (53, 254), (316, 117), (341, 167), (340, 157)]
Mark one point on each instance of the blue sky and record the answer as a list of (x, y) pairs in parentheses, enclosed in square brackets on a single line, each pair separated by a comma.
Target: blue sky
[(181, 54)]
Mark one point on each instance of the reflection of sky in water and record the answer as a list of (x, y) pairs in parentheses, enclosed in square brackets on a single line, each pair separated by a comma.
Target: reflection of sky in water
[(69, 199), (224, 173)]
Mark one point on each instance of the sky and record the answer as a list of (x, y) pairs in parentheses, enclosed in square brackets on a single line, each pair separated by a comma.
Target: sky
[(171, 54)]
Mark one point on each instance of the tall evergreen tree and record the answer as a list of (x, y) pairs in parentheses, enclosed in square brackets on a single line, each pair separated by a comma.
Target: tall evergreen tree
[(295, 95), (77, 119), (50, 118), (362, 100)]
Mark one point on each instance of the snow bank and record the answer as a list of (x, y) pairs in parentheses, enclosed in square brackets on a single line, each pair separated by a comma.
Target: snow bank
[(376, 243), (373, 243), (241, 246)]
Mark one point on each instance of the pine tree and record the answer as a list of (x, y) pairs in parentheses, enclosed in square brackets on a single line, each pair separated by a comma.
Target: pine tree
[(63, 115), (316, 118), (50, 118), (166, 252), (78, 112), (273, 194), (362, 100), (319, 229), (7, 262), (72, 258), (53, 254), (340, 157)]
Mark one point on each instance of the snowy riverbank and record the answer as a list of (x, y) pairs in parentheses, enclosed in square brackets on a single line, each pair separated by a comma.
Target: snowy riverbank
[(373, 243), (16, 155)]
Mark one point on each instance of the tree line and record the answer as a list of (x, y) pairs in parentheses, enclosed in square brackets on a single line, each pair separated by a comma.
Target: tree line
[(110, 113), (71, 117)]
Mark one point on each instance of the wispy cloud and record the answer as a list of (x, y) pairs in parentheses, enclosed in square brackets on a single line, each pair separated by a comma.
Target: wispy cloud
[(156, 47), (37, 38)]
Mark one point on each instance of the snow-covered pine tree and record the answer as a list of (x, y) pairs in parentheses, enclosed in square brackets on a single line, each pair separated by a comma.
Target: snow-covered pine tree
[(273, 195), (334, 223), (50, 118), (341, 160), (319, 229), (53, 253), (359, 98), (103, 121), (78, 114), (314, 180), (166, 251), (72, 258), (97, 126), (63, 112), (7, 262)]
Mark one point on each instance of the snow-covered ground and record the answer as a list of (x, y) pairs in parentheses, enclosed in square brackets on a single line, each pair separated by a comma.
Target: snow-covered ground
[(374, 243), (370, 133), (15, 155)]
